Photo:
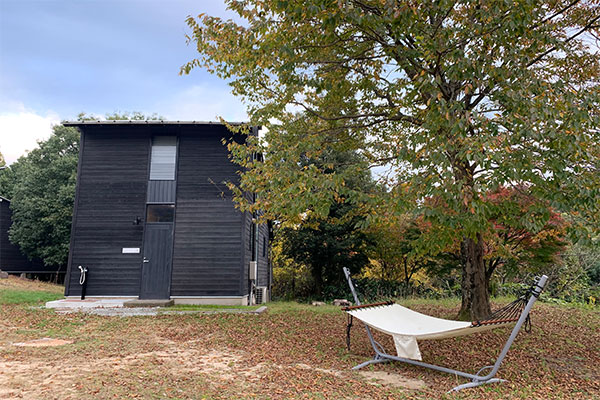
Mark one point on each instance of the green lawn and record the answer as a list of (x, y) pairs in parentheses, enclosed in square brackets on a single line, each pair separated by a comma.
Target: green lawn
[(11, 296), (192, 307)]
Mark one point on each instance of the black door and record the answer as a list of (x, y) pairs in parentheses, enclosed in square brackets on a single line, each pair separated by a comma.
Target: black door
[(156, 266)]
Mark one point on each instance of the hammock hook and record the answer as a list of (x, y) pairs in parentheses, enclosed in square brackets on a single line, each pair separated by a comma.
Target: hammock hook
[(348, 327)]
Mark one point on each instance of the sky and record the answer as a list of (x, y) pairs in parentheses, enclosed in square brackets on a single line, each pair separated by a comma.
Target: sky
[(62, 57)]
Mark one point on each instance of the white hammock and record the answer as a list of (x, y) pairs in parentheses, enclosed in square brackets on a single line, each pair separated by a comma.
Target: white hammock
[(406, 326)]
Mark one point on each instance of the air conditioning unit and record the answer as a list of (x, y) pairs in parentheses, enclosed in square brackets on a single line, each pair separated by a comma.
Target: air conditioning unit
[(253, 273), (261, 295)]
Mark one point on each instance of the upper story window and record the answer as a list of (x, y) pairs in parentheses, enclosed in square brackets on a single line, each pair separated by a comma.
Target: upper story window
[(162, 161)]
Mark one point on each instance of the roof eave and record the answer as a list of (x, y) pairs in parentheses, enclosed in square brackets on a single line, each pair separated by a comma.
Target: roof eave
[(146, 122)]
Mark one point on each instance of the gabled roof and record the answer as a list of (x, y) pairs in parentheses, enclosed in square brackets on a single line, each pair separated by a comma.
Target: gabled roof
[(4, 199)]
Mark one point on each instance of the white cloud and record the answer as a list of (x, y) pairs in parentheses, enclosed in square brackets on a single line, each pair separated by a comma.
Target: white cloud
[(21, 128)]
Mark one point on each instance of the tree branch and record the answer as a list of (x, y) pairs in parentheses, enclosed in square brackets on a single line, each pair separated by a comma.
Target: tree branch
[(586, 27), (562, 10)]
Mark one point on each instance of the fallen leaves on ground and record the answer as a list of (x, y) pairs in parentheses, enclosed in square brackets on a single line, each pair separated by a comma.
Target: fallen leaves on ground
[(289, 352)]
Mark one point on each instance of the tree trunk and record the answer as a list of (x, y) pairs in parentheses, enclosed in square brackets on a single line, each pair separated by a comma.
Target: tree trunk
[(317, 273), (475, 297)]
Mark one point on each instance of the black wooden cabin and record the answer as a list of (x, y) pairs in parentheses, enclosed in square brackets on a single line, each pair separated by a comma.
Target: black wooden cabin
[(153, 218), (12, 259)]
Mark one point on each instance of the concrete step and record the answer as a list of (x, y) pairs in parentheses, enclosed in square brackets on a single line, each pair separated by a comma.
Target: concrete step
[(148, 303), (88, 303)]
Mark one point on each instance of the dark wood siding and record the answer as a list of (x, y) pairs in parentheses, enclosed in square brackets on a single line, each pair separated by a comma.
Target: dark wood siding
[(208, 247), (111, 191), (262, 260), (161, 191), (247, 226), (263, 255), (11, 258)]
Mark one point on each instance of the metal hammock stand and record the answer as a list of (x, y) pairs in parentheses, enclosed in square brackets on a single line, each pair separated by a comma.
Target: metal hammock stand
[(517, 311)]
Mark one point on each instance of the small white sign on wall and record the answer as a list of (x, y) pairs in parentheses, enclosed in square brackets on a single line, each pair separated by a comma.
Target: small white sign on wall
[(131, 250)]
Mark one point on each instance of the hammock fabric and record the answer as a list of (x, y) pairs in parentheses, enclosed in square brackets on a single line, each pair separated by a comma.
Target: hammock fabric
[(406, 325)]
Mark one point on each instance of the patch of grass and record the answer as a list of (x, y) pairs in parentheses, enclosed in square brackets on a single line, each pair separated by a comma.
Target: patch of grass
[(278, 307), (189, 307), (11, 296), (445, 302), (450, 302), (572, 304)]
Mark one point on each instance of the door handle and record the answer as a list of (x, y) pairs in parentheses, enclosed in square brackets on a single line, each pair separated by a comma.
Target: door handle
[(146, 260)]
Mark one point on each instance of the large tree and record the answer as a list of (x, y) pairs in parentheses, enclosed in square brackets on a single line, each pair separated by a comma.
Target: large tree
[(456, 98), (42, 197), (327, 243)]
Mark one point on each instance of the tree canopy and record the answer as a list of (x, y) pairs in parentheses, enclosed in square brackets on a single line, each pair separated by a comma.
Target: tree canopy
[(394, 256), (42, 197), (326, 244), (121, 115), (454, 99)]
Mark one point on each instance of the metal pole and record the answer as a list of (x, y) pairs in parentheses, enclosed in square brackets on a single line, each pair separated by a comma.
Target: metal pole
[(374, 343), (538, 287), (349, 279)]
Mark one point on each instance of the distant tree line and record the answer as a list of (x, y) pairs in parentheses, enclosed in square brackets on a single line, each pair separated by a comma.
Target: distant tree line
[(390, 260)]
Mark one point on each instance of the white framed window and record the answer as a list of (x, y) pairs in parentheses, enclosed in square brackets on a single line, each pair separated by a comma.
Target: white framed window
[(163, 158)]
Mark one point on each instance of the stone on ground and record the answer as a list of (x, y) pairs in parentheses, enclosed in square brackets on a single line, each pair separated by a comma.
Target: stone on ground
[(342, 303)]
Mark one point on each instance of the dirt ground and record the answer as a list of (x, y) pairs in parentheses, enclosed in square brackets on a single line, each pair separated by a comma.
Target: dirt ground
[(291, 351)]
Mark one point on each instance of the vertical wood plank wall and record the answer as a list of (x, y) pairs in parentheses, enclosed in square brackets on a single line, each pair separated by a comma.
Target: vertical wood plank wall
[(112, 192), (263, 261), (208, 228)]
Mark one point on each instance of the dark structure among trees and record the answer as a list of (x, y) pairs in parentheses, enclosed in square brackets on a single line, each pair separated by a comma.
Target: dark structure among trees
[(12, 259), (154, 219)]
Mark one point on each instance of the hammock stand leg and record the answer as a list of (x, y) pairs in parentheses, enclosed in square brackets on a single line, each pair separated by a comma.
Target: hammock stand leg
[(477, 379), (376, 360)]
